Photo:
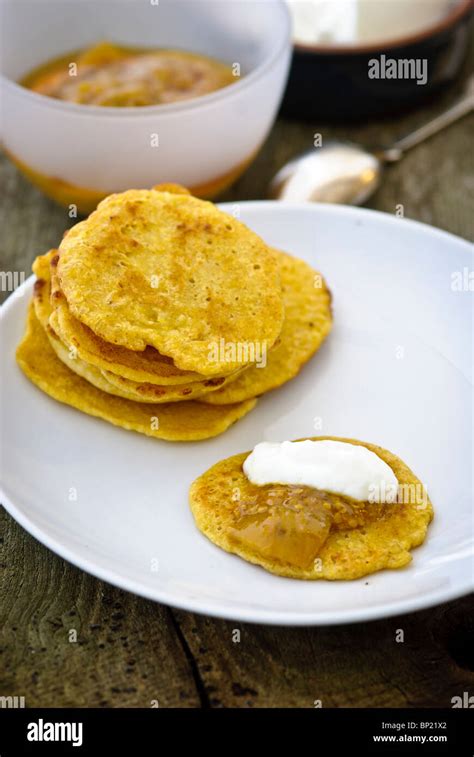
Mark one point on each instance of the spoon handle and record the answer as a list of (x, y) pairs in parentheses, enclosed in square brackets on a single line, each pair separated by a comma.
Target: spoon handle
[(460, 109)]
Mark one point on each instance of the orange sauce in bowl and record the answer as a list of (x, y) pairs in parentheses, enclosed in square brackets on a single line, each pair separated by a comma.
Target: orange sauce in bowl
[(116, 76)]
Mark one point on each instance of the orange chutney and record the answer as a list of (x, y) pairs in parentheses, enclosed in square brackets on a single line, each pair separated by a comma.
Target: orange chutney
[(291, 523), (116, 76)]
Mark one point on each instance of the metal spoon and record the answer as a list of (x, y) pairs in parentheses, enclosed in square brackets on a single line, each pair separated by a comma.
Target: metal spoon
[(343, 172)]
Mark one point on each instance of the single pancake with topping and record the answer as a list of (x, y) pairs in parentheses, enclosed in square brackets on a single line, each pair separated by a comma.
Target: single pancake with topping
[(300, 525)]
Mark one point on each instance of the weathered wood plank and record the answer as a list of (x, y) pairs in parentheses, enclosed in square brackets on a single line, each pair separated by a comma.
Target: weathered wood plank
[(363, 665), (130, 652), (127, 652)]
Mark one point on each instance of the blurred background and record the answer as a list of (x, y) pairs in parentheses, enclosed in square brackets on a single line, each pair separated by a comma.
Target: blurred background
[(329, 96)]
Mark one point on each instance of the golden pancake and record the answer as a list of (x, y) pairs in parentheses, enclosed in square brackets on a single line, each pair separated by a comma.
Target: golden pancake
[(173, 272), (145, 366), (182, 421), (42, 310), (145, 392), (308, 321), (105, 380), (42, 306), (304, 533), (87, 372)]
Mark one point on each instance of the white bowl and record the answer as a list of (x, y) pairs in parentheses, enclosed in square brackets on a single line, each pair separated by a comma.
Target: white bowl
[(79, 153)]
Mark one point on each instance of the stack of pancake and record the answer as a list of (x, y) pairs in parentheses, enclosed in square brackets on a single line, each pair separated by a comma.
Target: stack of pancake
[(164, 315)]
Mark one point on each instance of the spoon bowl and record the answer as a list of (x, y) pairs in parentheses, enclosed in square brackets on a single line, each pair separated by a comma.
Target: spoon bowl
[(337, 172), (345, 173)]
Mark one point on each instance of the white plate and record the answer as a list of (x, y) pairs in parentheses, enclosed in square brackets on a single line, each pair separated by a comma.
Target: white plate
[(395, 371)]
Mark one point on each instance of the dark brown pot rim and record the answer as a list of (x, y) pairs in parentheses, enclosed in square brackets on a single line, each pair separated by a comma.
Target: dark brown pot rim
[(461, 9)]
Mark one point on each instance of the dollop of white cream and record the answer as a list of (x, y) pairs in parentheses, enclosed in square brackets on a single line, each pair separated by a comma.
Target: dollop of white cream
[(362, 21), (337, 467)]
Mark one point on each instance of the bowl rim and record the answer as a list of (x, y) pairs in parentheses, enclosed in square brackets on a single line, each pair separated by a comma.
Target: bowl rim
[(168, 109), (458, 11)]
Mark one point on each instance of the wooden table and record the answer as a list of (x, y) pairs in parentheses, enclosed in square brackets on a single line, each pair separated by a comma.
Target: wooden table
[(130, 651)]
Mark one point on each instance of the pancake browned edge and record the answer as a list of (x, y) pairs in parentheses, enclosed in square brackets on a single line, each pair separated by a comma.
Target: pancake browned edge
[(176, 421), (346, 554), (105, 380)]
